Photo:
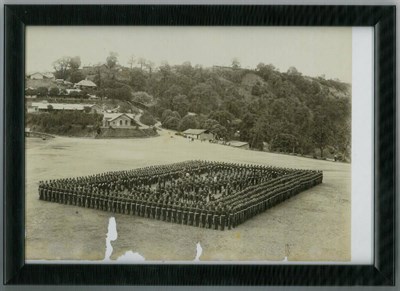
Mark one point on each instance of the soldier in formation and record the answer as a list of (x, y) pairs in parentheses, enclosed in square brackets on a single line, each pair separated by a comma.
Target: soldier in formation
[(198, 193)]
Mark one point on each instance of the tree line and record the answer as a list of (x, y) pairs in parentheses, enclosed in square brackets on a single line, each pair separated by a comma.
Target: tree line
[(284, 111)]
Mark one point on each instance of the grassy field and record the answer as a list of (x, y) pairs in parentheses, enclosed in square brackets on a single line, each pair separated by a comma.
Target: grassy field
[(314, 225)]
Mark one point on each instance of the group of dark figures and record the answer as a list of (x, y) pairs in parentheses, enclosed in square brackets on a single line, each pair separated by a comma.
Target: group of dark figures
[(204, 194)]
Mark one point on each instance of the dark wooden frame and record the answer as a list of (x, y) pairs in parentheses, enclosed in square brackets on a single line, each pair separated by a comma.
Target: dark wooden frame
[(382, 272)]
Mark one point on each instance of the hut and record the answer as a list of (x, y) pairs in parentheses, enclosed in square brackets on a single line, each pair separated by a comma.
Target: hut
[(201, 134)]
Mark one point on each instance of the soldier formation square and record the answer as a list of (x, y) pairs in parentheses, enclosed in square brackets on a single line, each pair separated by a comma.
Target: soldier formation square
[(212, 195)]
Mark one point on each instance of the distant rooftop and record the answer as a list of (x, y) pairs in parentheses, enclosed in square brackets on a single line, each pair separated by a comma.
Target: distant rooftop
[(86, 83), (61, 106), (194, 131), (112, 116), (236, 143)]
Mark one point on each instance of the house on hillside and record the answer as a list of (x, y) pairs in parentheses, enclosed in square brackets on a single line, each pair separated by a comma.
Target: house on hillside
[(36, 76), (119, 120), (32, 108), (69, 91), (198, 134), (41, 76), (239, 144), (49, 76), (85, 84)]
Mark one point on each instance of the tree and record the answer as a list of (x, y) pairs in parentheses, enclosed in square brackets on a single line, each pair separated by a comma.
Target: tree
[(61, 66), (209, 124), (293, 71), (31, 91), (168, 95), (171, 123), (84, 94), (65, 65), (165, 115), (42, 91), (131, 61), (122, 93), (147, 119), (219, 131), (285, 142), (63, 91), (266, 71), (125, 107), (137, 80), (75, 62), (189, 121), (216, 128), (112, 60), (234, 105), (235, 63), (141, 62), (76, 76), (74, 94), (223, 117), (180, 103), (343, 139), (54, 91), (176, 114), (150, 67), (247, 124), (203, 98), (322, 131), (87, 109), (185, 69), (165, 71), (142, 97), (257, 135)]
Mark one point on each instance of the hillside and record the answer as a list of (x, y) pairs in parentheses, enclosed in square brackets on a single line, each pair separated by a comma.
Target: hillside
[(291, 112)]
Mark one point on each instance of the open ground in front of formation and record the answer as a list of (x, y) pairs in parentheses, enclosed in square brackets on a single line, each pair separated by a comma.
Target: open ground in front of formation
[(313, 225)]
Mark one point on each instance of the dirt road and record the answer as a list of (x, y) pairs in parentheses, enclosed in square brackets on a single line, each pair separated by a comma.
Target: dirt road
[(314, 225)]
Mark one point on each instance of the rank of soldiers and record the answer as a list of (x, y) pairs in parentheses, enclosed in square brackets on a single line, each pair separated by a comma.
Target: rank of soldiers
[(206, 194)]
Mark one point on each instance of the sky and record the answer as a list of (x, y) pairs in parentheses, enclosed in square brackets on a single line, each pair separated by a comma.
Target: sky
[(314, 51)]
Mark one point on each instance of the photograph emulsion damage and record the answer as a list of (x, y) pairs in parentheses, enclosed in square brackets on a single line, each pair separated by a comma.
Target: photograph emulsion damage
[(183, 144)]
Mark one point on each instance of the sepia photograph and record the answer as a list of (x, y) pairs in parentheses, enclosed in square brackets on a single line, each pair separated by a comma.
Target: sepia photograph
[(188, 144)]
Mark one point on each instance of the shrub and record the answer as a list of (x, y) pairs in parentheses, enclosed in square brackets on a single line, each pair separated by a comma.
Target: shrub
[(42, 91), (171, 123), (54, 91), (147, 119)]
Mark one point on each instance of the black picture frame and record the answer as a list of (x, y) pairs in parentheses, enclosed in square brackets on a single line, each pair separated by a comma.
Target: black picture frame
[(381, 272)]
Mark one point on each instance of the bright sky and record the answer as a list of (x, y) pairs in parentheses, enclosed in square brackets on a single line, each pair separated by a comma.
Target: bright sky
[(312, 50)]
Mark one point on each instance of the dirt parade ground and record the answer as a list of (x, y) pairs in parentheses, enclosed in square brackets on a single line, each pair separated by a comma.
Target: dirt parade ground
[(313, 225)]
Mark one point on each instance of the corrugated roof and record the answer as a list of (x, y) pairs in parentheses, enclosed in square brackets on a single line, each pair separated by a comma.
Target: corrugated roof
[(60, 106), (236, 143), (194, 131)]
